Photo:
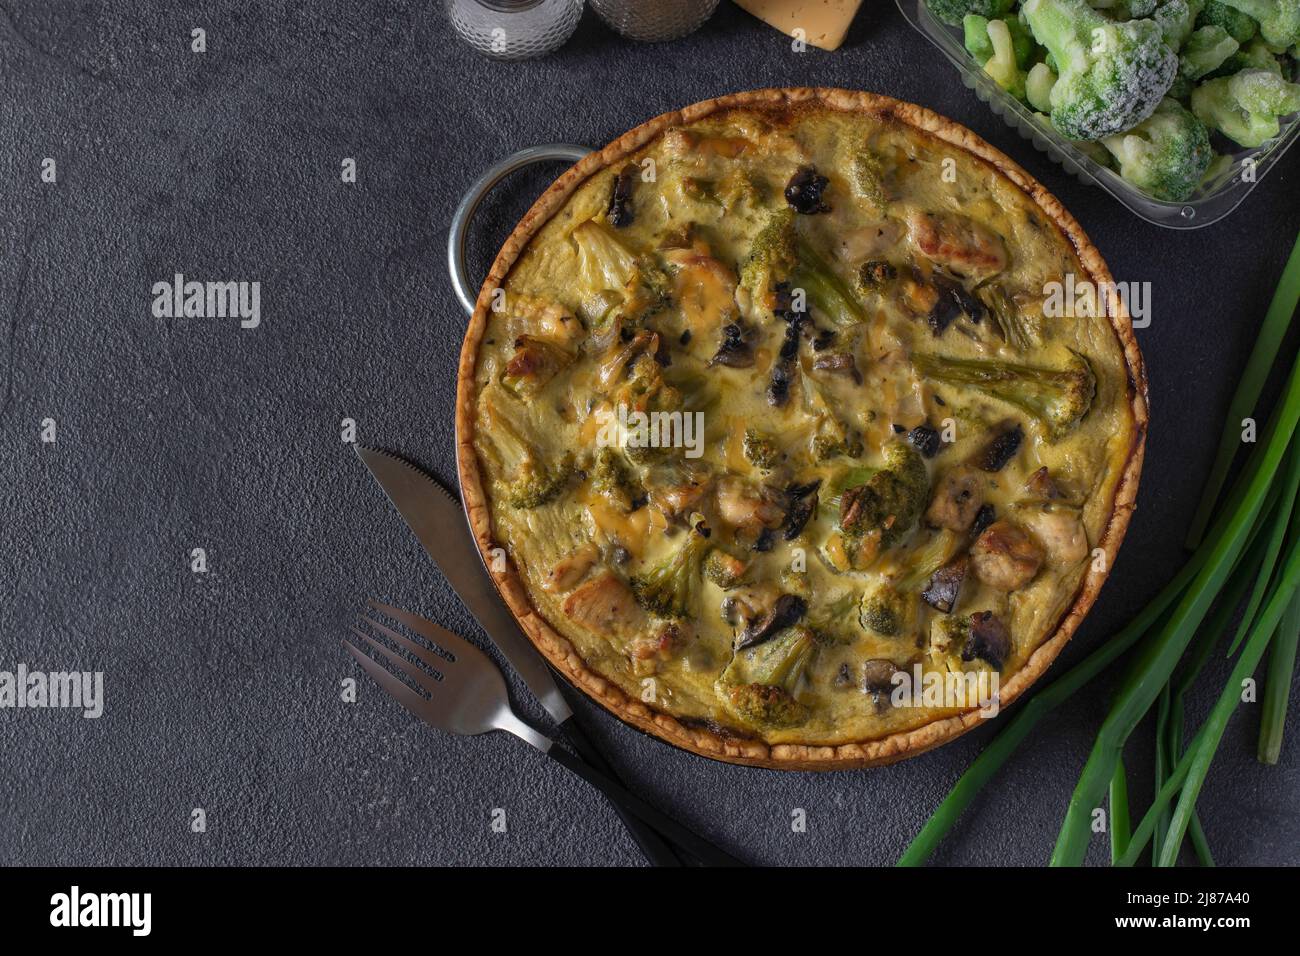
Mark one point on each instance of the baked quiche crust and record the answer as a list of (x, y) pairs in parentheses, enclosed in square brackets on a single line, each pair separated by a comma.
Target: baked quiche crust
[(708, 738)]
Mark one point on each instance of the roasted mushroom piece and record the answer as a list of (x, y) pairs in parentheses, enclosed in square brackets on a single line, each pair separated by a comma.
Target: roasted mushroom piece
[(926, 440), (804, 191), (802, 507), (735, 351), (989, 640), (945, 585), (620, 199), (784, 612), (878, 682), (1001, 448)]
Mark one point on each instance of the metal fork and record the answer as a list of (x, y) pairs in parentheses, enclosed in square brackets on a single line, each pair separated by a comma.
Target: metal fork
[(466, 695)]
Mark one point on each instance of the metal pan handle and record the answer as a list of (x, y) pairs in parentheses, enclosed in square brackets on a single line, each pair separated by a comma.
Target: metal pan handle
[(465, 290)]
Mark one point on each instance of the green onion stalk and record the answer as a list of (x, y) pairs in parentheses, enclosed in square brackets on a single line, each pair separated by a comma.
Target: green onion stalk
[(1227, 540), (1267, 345)]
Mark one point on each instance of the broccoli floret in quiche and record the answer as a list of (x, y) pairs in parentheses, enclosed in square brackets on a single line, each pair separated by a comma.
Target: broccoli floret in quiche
[(1058, 398), (670, 589), (613, 479), (760, 450), (758, 686), (613, 278), (780, 258), (889, 502)]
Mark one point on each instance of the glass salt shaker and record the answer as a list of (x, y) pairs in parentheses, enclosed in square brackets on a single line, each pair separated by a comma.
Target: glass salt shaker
[(654, 20), (514, 29)]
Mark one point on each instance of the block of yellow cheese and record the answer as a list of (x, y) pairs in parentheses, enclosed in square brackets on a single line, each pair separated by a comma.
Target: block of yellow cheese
[(824, 22)]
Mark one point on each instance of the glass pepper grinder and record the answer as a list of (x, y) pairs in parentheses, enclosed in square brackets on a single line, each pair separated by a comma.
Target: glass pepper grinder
[(514, 29)]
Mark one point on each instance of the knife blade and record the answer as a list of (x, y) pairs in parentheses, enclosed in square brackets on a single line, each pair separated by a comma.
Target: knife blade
[(438, 521)]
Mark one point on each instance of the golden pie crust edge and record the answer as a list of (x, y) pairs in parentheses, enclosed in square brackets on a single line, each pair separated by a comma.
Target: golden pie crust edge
[(701, 740)]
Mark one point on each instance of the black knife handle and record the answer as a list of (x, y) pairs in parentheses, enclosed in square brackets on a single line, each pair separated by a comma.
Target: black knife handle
[(652, 845), (624, 800)]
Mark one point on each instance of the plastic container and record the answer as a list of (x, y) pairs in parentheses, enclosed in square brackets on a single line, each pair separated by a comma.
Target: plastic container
[(1215, 198)]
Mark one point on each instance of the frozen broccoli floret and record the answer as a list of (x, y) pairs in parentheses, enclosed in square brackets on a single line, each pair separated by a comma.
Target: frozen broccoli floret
[(780, 257), (952, 12), (1038, 87), (1238, 25), (975, 37), (1255, 55), (1125, 9), (1166, 154), (1110, 75), (1205, 51), (759, 684), (670, 589), (1245, 106), (891, 500), (1004, 48), (1176, 19), (1279, 20), (1004, 65), (612, 478), (1057, 398)]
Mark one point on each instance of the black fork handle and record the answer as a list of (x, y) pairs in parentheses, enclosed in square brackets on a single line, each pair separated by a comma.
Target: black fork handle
[(651, 844), (624, 800)]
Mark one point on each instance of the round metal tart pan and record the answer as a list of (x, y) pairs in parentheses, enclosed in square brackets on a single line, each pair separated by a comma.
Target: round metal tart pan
[(709, 742)]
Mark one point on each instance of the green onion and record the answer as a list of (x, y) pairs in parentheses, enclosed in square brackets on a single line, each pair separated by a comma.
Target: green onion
[(1199, 843), (1277, 532), (1119, 822), (1242, 576), (1210, 635), (1040, 705), (1277, 683), (1212, 730), (1267, 345), (1044, 702), (1143, 831), (1227, 540), (1161, 763)]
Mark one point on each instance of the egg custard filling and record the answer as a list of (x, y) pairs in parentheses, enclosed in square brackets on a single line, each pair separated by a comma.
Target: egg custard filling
[(784, 411)]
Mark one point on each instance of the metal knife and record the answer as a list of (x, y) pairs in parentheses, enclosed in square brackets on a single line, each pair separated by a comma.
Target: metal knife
[(439, 522)]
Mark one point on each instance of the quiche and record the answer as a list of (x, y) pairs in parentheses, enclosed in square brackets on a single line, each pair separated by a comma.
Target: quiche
[(786, 410)]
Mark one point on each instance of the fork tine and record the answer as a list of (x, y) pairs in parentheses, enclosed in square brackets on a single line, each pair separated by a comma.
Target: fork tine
[(438, 663), (452, 643), (396, 688), (401, 663)]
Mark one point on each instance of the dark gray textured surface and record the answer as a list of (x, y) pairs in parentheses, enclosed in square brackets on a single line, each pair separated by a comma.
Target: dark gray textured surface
[(223, 689)]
